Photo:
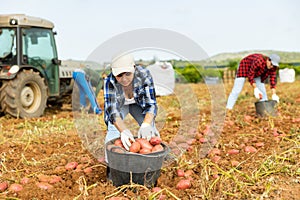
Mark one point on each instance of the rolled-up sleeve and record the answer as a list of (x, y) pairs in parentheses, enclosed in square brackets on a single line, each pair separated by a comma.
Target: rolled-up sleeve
[(145, 92), (110, 102), (150, 100), (273, 78)]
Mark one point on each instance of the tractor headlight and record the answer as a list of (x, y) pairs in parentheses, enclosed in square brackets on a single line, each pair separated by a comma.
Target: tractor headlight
[(14, 69), (13, 22)]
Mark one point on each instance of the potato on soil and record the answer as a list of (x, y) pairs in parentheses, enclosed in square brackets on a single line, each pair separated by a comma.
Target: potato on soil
[(3, 186), (15, 187), (250, 149), (183, 184), (214, 151), (71, 165), (191, 141), (180, 172), (44, 186), (43, 178), (88, 170), (203, 140), (55, 179), (234, 163), (233, 151), (24, 181), (259, 144), (135, 147), (156, 189), (216, 159), (215, 176)]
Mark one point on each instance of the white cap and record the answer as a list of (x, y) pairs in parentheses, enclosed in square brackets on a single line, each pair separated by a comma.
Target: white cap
[(121, 64), (274, 59)]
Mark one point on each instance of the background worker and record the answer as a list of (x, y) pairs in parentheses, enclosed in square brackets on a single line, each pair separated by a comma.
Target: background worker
[(257, 68), (84, 79), (129, 89)]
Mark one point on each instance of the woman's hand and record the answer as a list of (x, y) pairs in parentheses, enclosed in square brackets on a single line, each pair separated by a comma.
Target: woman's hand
[(146, 131), (257, 93), (275, 97), (126, 136)]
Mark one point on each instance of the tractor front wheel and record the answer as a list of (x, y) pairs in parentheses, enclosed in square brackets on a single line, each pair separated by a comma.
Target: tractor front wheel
[(25, 96)]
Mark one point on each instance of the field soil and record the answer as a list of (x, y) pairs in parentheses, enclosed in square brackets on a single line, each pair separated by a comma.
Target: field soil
[(236, 156)]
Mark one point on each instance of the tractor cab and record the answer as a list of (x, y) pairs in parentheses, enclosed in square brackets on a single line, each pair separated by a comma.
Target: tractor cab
[(28, 51), (29, 43)]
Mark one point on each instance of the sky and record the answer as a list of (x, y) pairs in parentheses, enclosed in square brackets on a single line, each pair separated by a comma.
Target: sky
[(216, 26)]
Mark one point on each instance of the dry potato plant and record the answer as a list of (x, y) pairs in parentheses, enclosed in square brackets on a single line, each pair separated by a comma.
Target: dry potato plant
[(250, 158)]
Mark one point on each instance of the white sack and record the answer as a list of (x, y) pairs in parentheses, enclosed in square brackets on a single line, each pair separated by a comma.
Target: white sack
[(287, 75), (164, 78)]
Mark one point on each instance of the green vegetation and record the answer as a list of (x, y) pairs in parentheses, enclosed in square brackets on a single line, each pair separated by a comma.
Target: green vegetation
[(193, 73), (290, 66)]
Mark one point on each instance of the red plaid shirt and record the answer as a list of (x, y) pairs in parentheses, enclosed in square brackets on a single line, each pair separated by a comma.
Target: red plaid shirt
[(255, 65)]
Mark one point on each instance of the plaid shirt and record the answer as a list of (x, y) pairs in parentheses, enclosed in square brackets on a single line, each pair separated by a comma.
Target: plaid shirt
[(143, 93), (255, 65)]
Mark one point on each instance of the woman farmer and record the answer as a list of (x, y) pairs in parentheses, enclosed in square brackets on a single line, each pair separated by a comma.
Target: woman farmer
[(257, 68), (129, 89)]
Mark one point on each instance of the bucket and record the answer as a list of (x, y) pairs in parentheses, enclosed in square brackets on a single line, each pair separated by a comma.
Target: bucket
[(127, 167), (266, 108)]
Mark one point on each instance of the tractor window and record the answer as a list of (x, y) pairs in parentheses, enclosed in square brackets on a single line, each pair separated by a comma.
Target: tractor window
[(38, 46), (8, 43)]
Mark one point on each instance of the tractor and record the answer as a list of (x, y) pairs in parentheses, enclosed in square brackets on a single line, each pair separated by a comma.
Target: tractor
[(31, 75)]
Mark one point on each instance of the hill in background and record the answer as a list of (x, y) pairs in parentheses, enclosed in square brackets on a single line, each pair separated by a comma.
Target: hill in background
[(82, 64), (224, 58), (221, 59)]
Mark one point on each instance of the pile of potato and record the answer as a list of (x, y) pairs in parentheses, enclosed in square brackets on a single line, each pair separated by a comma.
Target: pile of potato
[(141, 146)]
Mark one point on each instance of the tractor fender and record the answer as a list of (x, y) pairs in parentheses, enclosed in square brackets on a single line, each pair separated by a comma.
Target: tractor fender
[(35, 69), (6, 76)]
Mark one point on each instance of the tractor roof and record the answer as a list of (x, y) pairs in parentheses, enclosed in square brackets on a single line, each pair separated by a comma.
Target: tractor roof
[(24, 20)]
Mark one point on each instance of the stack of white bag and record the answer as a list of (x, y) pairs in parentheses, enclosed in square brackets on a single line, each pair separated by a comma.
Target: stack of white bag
[(287, 75), (163, 75)]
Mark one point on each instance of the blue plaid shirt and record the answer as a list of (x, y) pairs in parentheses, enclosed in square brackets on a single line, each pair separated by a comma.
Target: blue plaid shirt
[(143, 93)]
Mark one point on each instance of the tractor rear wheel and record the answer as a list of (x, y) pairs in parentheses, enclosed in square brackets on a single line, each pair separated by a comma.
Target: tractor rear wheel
[(25, 96)]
